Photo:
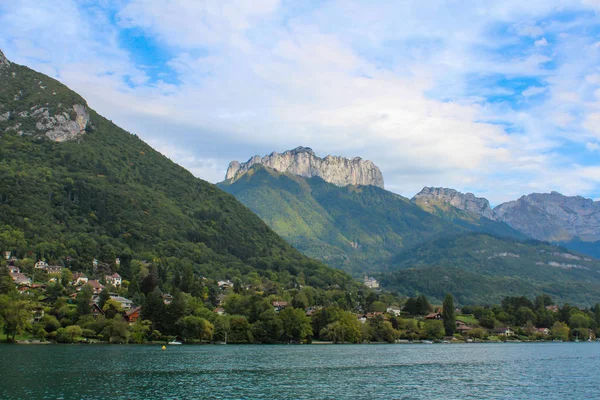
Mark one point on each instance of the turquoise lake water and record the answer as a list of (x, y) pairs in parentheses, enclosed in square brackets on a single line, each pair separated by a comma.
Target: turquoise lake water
[(498, 371)]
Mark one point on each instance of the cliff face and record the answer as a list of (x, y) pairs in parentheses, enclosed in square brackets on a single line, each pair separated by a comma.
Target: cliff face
[(543, 216), (36, 105), (302, 161), (552, 216), (466, 202)]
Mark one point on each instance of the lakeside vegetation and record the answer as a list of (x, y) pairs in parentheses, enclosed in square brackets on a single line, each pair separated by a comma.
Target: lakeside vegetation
[(243, 311)]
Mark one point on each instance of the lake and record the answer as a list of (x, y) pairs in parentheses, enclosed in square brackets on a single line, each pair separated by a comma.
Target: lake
[(499, 371)]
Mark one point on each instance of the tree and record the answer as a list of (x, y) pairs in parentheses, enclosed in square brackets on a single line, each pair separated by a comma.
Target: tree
[(103, 298), (477, 333), (433, 329), (68, 334), (422, 305), (66, 277), (529, 329), (239, 330), (268, 328), (17, 317), (140, 331), (560, 331), (116, 330), (448, 315), (296, 325), (525, 314), (84, 298), (112, 308), (192, 327), (300, 301), (378, 306)]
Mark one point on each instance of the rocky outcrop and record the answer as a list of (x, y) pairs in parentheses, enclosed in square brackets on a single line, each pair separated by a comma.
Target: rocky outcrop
[(62, 115), (466, 202), (3, 61), (62, 126), (302, 161), (552, 216)]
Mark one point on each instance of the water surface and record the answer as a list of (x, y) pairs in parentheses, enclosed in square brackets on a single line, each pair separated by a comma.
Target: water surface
[(499, 371)]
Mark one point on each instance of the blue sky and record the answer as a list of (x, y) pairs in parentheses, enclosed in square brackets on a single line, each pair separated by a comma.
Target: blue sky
[(497, 99)]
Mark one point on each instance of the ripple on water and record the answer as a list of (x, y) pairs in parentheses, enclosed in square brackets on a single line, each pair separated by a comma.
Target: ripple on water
[(496, 371)]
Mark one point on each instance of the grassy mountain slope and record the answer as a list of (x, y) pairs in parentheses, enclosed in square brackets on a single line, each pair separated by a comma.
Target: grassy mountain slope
[(479, 268), (357, 228), (107, 194)]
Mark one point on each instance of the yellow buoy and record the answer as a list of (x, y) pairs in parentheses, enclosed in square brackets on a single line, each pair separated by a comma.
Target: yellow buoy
[(164, 347)]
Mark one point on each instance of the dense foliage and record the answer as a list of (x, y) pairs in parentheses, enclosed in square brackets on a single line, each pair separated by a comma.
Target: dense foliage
[(480, 269)]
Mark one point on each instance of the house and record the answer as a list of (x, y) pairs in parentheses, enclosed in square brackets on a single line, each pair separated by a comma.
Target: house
[(167, 298), (552, 308), (373, 314), (219, 310), (394, 311), (79, 279), (462, 328), (54, 269), (126, 304), (41, 264), (504, 331), (224, 285), (96, 286), (362, 318), (114, 279), (132, 315), (20, 279), (371, 282), (435, 315), (13, 270), (279, 305), (543, 331)]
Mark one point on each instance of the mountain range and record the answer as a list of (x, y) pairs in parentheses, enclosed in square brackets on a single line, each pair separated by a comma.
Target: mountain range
[(572, 221), (75, 187), (440, 240)]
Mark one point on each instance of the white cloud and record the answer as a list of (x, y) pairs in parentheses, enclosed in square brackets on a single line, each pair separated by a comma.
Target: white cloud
[(592, 146), (530, 30), (254, 77), (533, 91)]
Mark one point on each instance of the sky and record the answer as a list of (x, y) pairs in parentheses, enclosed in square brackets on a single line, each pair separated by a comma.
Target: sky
[(500, 99)]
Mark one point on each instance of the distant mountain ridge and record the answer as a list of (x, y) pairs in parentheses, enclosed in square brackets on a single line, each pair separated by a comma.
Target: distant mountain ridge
[(467, 202), (572, 221), (302, 161)]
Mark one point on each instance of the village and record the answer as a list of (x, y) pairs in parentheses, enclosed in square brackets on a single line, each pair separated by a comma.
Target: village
[(107, 294)]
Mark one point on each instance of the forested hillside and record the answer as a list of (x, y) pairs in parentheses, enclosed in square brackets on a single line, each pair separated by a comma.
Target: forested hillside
[(356, 228), (481, 269), (105, 194)]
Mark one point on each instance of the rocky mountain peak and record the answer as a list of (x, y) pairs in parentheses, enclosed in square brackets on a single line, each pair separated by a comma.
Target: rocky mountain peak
[(466, 202), (552, 216), (303, 161)]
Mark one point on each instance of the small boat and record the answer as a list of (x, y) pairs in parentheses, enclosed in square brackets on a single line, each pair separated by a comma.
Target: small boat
[(426, 342), (175, 342)]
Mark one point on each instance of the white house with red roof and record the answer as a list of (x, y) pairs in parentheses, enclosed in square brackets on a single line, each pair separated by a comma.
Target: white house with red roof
[(114, 279)]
